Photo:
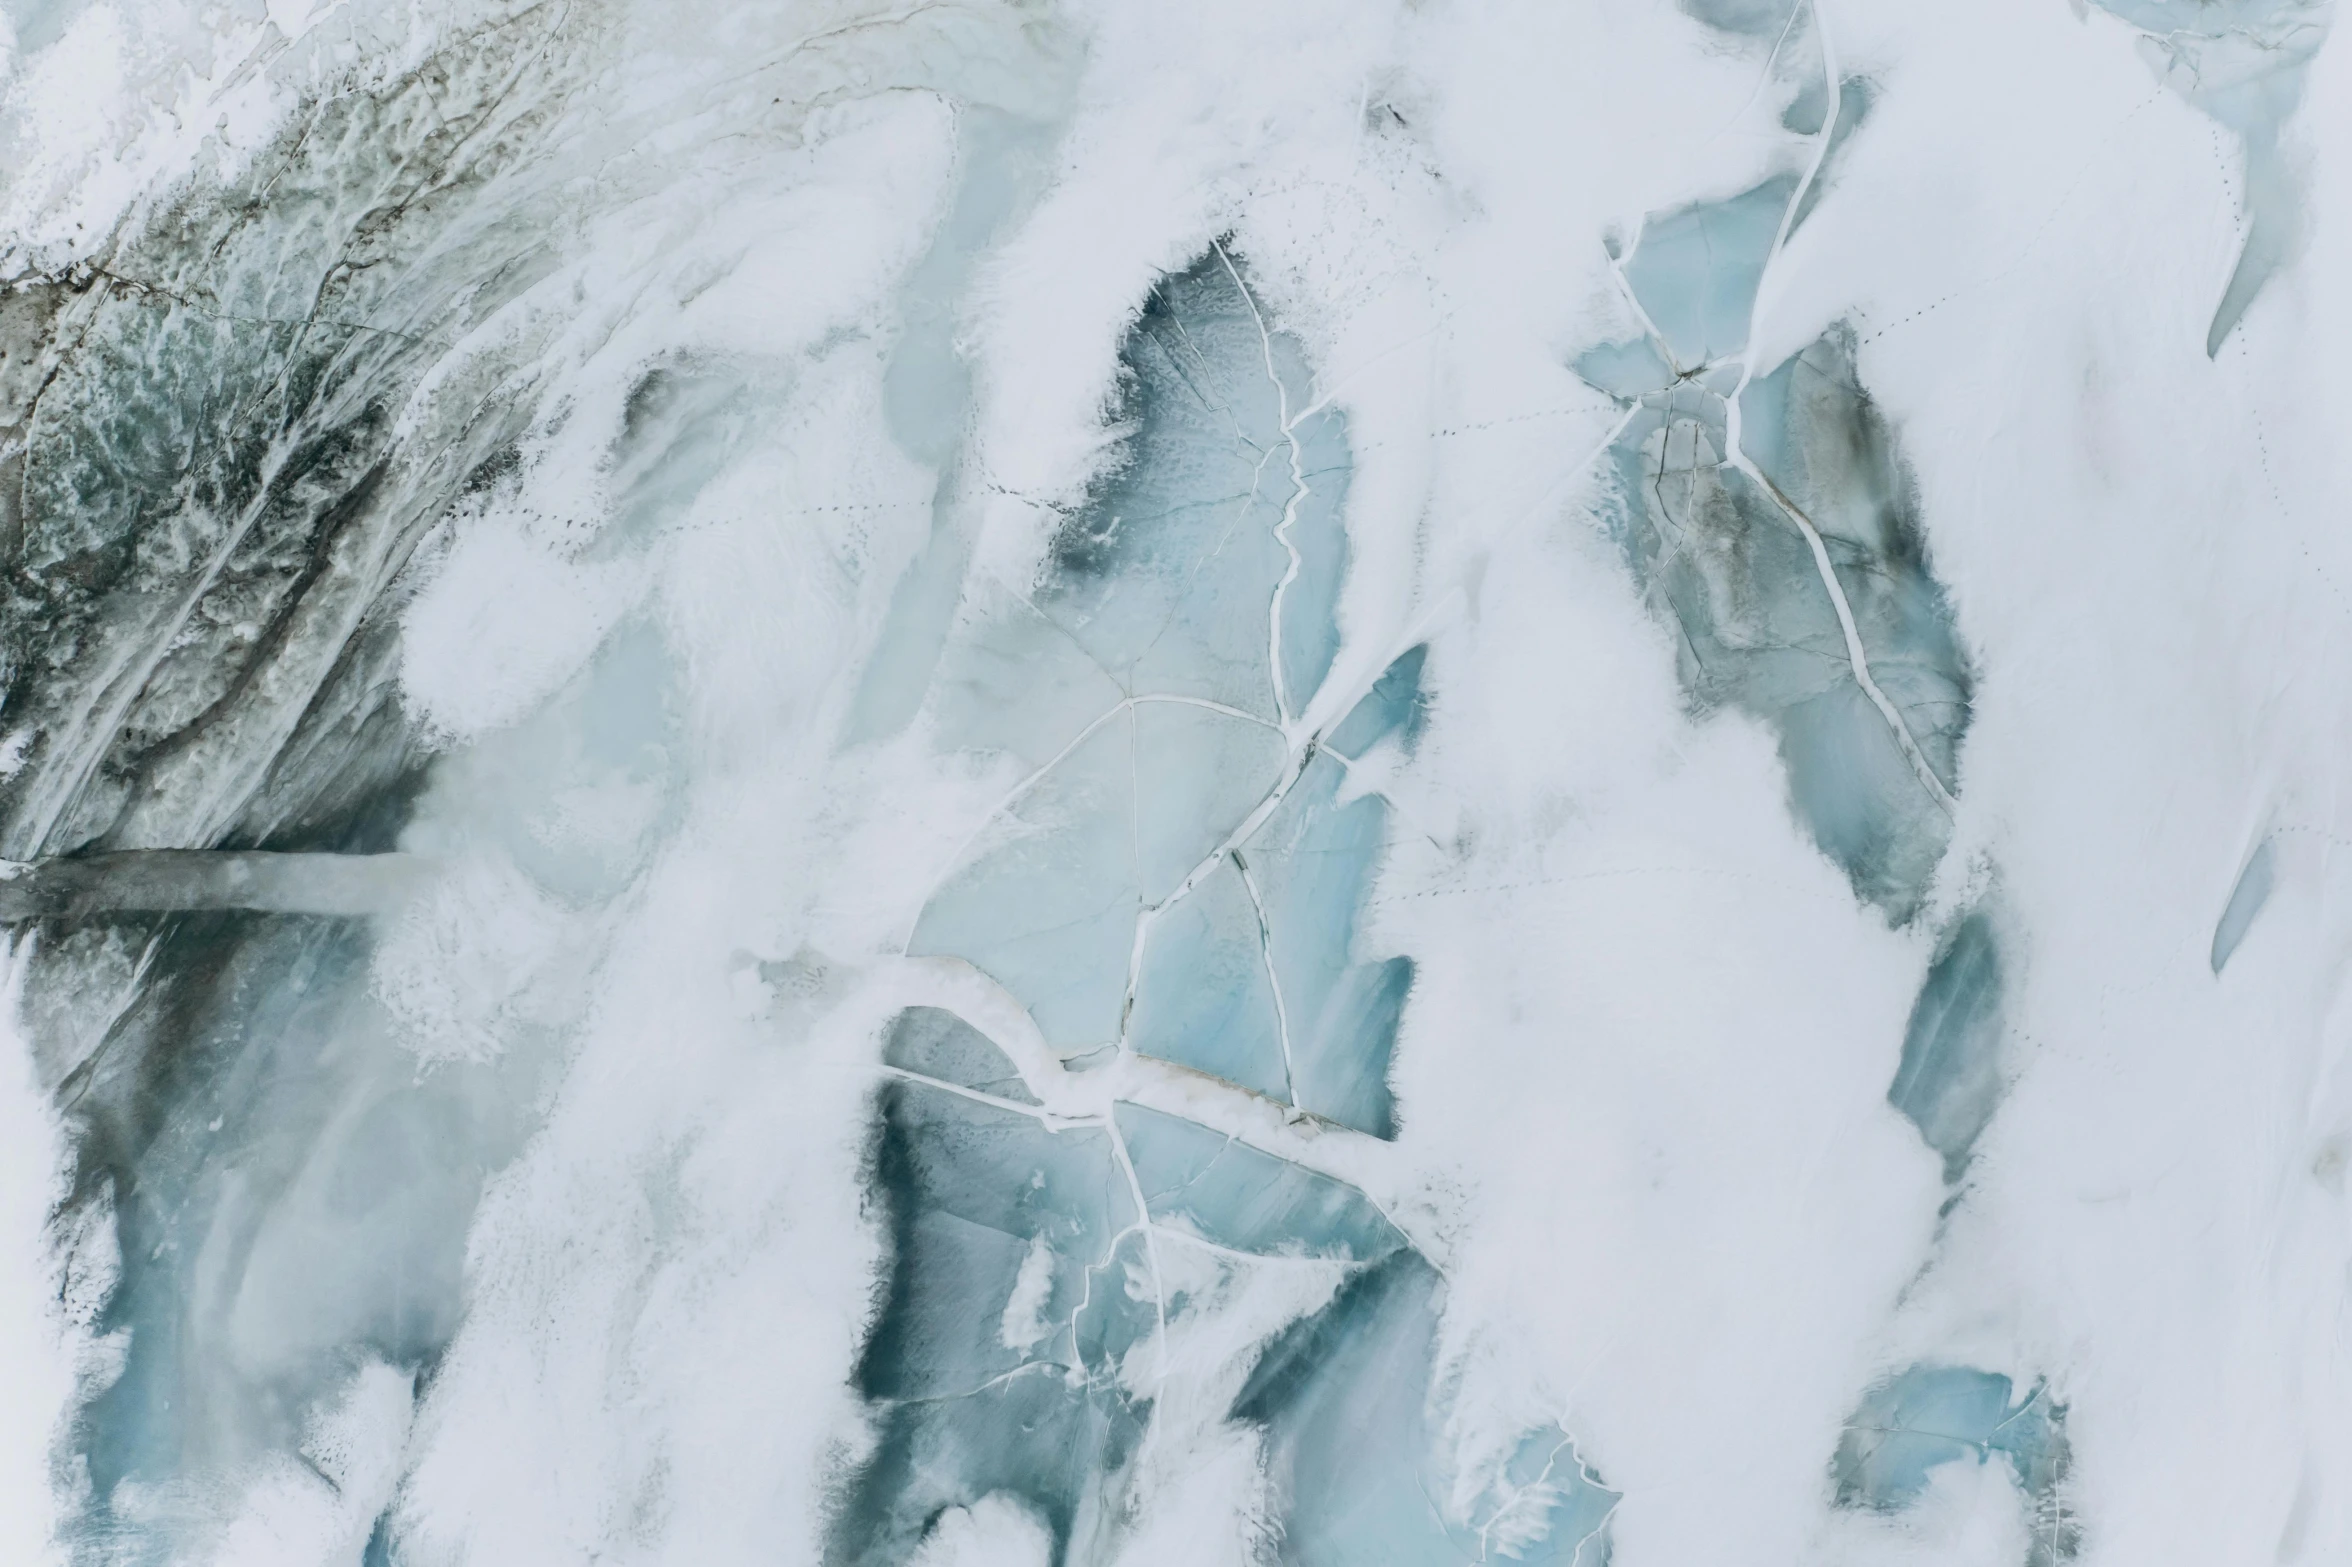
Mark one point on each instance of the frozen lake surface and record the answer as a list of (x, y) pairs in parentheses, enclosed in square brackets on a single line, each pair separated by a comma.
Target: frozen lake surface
[(1019, 783)]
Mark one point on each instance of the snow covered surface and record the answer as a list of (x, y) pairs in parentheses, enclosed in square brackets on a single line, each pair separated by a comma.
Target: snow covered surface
[(1052, 783)]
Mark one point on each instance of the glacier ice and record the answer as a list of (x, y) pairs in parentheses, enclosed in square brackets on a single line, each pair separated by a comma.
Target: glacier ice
[(1011, 783)]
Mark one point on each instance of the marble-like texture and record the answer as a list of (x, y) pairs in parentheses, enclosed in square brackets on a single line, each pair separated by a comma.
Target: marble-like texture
[(1035, 783)]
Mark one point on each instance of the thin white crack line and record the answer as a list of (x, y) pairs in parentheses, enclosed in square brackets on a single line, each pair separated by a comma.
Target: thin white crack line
[(1207, 703), (1796, 9), (1290, 504), (1218, 1248), (1640, 313), (1984, 1448), (1427, 1254), (1198, 1175), (1151, 1250), (1060, 630), (1855, 656), (2031, 1399), (1231, 418), (1054, 1120), (997, 1381), (1273, 979), (1145, 919), (1086, 1295)]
